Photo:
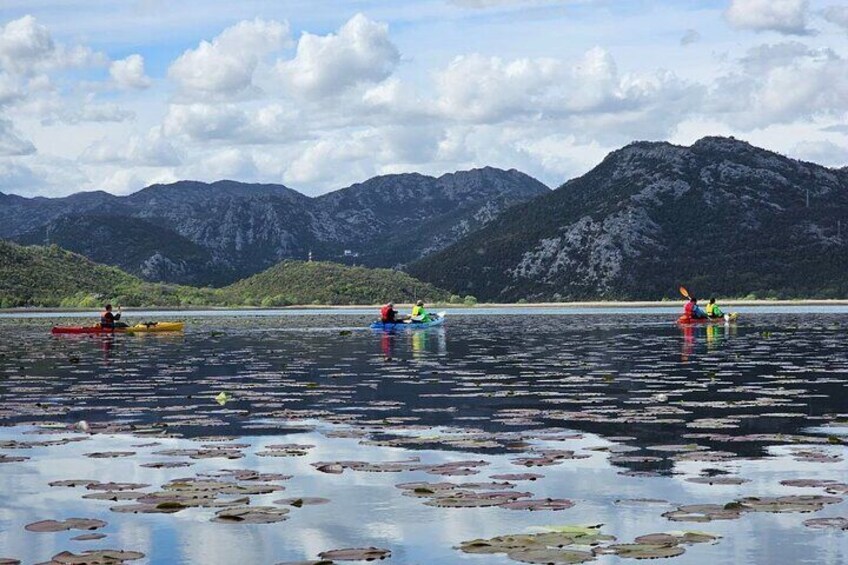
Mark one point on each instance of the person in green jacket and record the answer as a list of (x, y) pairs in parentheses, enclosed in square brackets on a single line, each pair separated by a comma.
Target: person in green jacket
[(713, 311), (419, 314)]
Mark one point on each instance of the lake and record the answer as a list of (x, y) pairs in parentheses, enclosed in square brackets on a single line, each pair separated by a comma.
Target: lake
[(274, 436)]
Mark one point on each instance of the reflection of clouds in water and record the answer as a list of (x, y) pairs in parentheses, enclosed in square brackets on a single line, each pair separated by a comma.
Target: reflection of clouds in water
[(367, 508)]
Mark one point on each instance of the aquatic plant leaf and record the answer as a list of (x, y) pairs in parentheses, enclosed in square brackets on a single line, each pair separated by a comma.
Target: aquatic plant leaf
[(63, 525), (551, 556), (355, 554), (835, 522), (251, 515), (643, 550), (550, 504)]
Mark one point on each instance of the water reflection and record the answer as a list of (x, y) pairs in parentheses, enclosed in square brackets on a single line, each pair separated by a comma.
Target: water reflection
[(419, 343), (713, 336), (680, 403)]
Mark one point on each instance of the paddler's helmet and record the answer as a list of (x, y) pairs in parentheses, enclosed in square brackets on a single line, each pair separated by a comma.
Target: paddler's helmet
[(420, 303), (712, 300), (390, 304), (107, 307)]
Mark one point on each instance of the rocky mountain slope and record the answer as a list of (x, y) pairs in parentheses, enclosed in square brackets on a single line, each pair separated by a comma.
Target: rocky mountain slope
[(217, 233), (721, 216)]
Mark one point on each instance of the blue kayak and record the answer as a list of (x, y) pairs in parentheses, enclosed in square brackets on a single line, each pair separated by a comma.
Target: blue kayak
[(409, 326)]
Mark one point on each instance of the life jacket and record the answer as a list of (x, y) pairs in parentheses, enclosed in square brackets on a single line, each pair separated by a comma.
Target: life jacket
[(688, 308), (107, 319), (417, 311), (712, 309), (385, 313)]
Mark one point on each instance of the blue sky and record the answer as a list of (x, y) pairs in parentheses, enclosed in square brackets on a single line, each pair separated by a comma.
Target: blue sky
[(318, 94)]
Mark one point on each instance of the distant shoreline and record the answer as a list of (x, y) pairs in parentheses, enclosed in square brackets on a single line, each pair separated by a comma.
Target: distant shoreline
[(529, 306)]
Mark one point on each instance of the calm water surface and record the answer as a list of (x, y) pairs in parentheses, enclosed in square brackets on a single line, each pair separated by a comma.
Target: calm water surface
[(635, 406)]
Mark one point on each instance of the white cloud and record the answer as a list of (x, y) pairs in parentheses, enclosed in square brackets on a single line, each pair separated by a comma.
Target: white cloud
[(361, 52), (779, 84), (837, 15), (783, 16), (11, 141), (691, 36), (230, 123), (823, 152), (224, 67), (231, 163), (152, 150), (590, 96), (481, 4), (24, 43), (10, 90), (320, 162), (485, 89), (41, 175), (129, 73), (205, 121), (27, 47)]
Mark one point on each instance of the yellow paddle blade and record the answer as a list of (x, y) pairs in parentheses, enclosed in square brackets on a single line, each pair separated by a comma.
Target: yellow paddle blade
[(684, 292)]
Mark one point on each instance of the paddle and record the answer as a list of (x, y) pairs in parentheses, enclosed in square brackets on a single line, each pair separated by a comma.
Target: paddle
[(685, 292)]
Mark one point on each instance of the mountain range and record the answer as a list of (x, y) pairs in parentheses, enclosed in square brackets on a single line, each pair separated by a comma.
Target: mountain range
[(721, 216), (213, 234)]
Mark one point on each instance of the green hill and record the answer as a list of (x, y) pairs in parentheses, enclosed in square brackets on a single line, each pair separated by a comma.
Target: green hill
[(298, 282), (53, 277)]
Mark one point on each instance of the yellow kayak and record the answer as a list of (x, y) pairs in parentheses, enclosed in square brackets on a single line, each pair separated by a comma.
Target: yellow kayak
[(138, 328)]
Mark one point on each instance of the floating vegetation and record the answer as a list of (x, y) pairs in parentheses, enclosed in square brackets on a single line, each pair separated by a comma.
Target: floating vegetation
[(95, 557), (355, 554), (251, 515), (833, 523), (63, 525)]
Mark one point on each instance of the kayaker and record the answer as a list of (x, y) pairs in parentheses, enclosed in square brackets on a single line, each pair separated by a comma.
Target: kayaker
[(713, 311), (388, 314), (110, 320), (419, 314), (692, 309)]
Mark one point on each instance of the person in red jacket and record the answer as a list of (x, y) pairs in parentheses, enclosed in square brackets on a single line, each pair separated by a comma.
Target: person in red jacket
[(692, 310), (388, 314)]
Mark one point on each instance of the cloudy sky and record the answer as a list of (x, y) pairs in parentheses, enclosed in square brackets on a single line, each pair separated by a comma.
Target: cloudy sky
[(318, 94)]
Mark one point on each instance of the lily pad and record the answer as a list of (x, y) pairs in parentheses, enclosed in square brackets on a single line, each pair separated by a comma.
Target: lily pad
[(643, 550), (251, 515), (550, 504), (355, 554), (88, 537), (63, 525), (835, 523), (551, 556), (96, 557)]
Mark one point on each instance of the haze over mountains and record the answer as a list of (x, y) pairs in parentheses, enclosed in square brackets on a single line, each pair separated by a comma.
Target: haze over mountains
[(721, 216), (198, 233)]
